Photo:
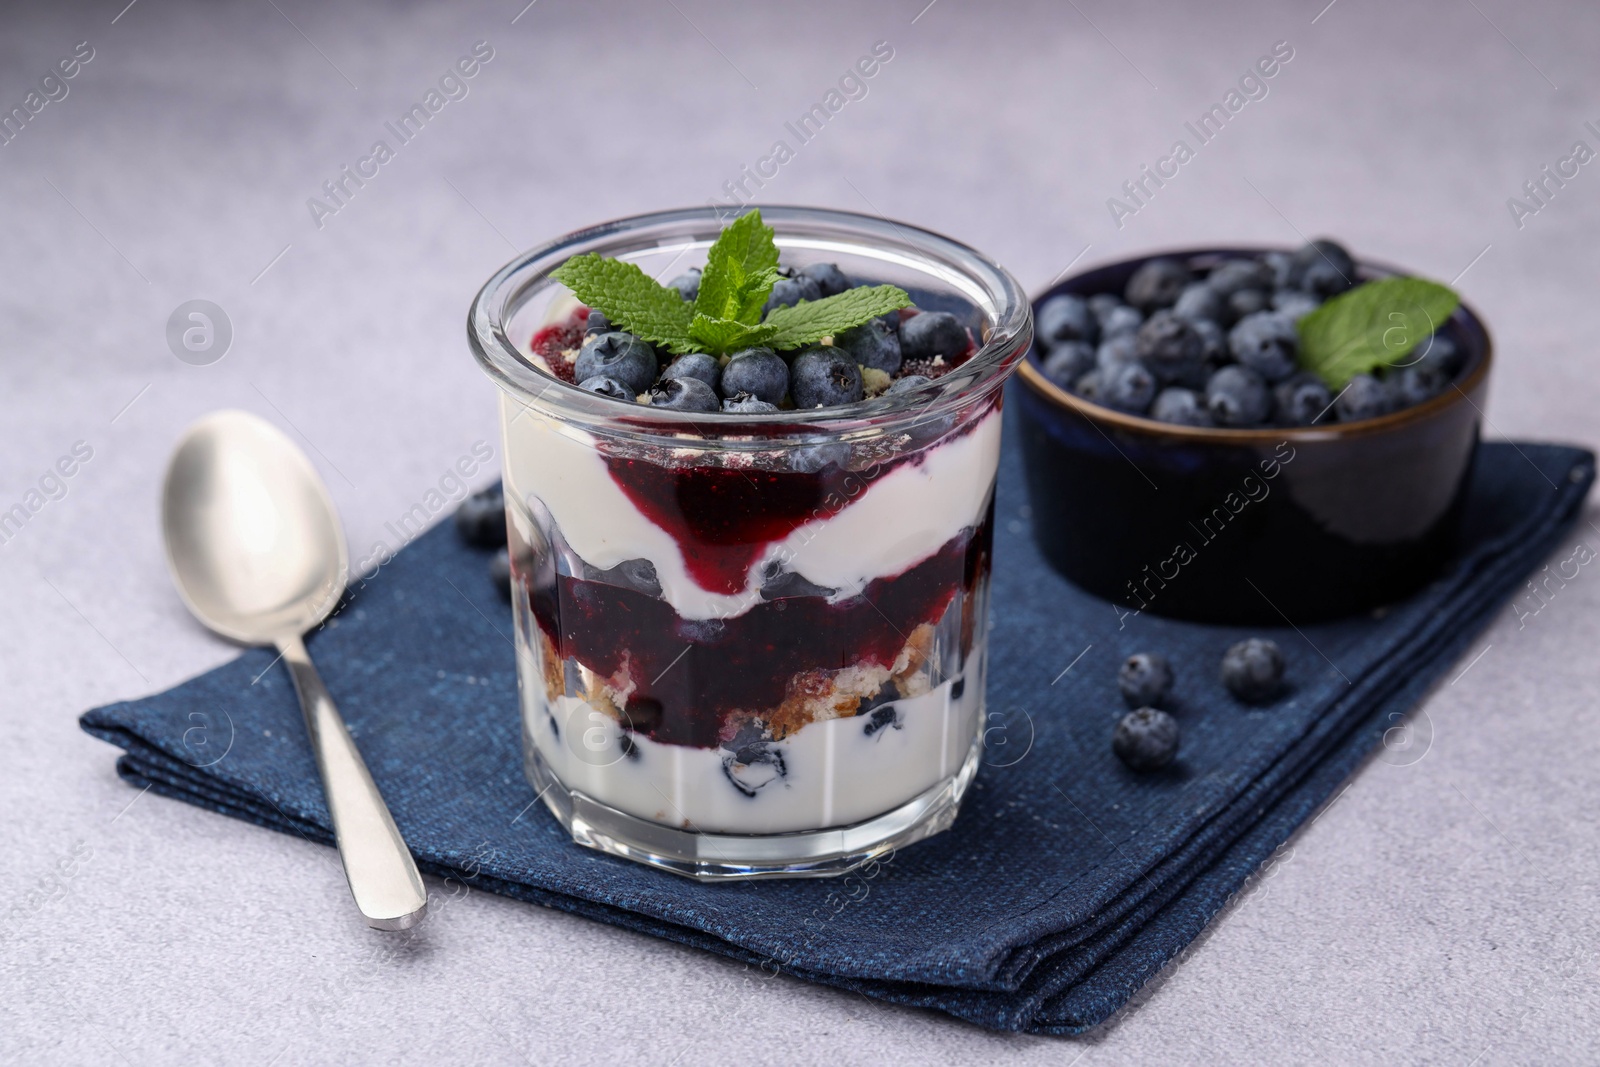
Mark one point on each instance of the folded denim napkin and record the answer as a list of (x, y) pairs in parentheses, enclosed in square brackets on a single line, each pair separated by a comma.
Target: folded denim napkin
[(1066, 882)]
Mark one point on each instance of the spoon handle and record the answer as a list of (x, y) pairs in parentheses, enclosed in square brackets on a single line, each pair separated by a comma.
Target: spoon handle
[(383, 877)]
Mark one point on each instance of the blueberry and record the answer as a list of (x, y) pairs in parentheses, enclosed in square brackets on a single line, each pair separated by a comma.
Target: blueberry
[(695, 365), (824, 377), (687, 283), (1157, 284), (1198, 301), (761, 372), (684, 394), (1364, 398), (1230, 276), (1146, 739), (1128, 387), (818, 456), (1169, 345), (1322, 267), (1280, 265), (754, 766), (1120, 319), (1439, 350), (1068, 362), (1181, 407), (1412, 385), (1237, 397), (1324, 250), (1102, 303), (1295, 303), (500, 571), (1088, 386), (596, 322), (1267, 343), (607, 386), (932, 334), (882, 719), (1299, 400), (745, 404), (1213, 342), (481, 519), (617, 355), (636, 574), (790, 291), (779, 583), (1118, 349), (1065, 317), (829, 278), (872, 344), (1325, 280), (1253, 670), (1145, 679), (1246, 302), (906, 384)]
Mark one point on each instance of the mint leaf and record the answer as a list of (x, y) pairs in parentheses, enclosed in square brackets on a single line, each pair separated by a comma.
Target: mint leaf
[(740, 270), (630, 298), (812, 320), (1371, 326), (721, 336)]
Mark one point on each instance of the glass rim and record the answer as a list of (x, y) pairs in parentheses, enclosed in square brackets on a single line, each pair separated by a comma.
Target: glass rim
[(1002, 300)]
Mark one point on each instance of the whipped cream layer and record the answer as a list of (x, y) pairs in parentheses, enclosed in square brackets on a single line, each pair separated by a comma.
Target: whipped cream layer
[(900, 519)]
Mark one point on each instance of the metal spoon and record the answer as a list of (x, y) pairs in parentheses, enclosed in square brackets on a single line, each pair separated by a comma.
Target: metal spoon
[(259, 556)]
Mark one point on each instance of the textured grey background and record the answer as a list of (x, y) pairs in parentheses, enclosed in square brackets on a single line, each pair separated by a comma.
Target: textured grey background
[(1442, 910)]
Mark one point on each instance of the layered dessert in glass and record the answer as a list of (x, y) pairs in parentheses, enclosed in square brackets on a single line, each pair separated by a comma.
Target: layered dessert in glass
[(751, 640)]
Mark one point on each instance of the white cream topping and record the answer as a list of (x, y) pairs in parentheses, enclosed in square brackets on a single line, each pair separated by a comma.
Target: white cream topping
[(899, 520)]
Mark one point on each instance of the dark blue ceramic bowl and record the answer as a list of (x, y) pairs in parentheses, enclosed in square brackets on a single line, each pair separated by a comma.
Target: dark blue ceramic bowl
[(1248, 526)]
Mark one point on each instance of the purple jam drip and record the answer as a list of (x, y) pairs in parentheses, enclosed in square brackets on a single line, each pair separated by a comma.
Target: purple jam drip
[(690, 675), (723, 519)]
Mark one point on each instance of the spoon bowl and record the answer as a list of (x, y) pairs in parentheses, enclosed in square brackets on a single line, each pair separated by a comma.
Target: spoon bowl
[(252, 538)]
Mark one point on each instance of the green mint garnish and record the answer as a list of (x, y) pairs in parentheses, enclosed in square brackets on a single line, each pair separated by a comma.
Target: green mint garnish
[(726, 335), (1371, 326), (630, 298), (741, 269), (812, 320)]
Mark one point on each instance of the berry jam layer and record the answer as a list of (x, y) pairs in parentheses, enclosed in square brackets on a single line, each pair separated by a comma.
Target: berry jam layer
[(713, 525), (725, 518), (783, 663)]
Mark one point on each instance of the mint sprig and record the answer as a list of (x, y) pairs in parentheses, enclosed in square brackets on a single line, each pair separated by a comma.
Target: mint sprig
[(1371, 326), (630, 298), (726, 315), (727, 335), (811, 320), (741, 269)]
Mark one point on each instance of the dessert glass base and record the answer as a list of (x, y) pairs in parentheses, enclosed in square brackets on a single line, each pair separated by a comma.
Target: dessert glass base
[(710, 857)]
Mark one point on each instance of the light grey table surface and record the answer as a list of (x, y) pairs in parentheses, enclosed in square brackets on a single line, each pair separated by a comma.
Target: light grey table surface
[(1440, 910)]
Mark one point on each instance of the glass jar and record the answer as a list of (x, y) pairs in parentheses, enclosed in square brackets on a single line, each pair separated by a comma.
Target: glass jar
[(751, 646)]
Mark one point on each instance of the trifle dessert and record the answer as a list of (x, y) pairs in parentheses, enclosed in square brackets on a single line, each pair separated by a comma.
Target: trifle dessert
[(749, 475)]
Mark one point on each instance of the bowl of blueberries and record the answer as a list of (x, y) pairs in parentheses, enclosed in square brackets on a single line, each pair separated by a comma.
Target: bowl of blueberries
[(1247, 435)]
